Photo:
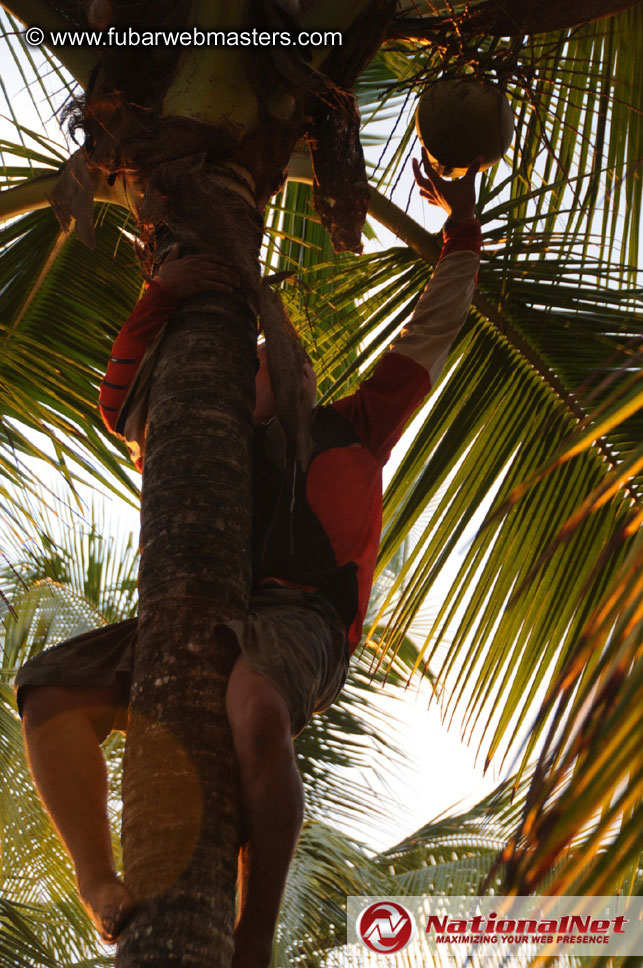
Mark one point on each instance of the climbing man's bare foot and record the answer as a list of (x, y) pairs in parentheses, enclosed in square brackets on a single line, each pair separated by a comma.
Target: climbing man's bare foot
[(108, 904)]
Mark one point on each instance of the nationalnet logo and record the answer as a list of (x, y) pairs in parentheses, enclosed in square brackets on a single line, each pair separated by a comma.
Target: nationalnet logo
[(516, 928), (385, 927), (570, 929)]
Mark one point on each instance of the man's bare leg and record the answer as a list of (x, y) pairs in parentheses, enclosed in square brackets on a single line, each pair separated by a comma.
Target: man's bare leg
[(273, 803), (69, 772)]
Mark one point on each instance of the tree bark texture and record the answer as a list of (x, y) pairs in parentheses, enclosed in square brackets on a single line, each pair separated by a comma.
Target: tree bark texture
[(180, 787)]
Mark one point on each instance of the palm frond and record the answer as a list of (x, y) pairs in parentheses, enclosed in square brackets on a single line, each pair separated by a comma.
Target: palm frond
[(46, 81), (25, 933), (62, 308), (588, 788), (450, 855), (327, 867)]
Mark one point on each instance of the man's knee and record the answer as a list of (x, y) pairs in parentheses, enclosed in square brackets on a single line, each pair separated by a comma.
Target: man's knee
[(44, 704), (258, 715)]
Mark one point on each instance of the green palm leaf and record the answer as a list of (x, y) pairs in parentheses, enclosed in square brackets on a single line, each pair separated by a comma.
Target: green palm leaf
[(62, 307)]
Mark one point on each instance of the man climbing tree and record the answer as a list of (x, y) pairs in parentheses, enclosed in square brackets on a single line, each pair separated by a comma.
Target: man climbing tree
[(316, 528)]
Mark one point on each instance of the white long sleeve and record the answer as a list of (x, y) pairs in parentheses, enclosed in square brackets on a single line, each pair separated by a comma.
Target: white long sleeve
[(444, 305)]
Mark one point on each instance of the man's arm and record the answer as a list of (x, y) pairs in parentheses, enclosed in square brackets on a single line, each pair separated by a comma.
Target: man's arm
[(444, 305), (177, 279), (401, 381), (137, 334)]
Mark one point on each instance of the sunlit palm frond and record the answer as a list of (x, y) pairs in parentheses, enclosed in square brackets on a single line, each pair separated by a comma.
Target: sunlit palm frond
[(327, 867), (507, 403), (297, 243), (44, 84), (26, 939), (588, 788), (62, 307), (63, 574), (450, 855), (525, 365), (578, 141), (577, 101)]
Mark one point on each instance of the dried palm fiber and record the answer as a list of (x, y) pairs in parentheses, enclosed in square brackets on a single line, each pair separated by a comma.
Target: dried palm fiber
[(286, 357)]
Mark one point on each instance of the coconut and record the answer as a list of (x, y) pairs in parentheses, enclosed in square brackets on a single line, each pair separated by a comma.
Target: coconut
[(458, 119)]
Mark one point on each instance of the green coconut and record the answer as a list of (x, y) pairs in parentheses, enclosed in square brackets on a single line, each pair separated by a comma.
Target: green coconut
[(458, 119)]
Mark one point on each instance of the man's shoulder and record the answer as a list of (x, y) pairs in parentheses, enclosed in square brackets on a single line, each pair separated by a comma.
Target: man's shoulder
[(332, 428), (378, 410)]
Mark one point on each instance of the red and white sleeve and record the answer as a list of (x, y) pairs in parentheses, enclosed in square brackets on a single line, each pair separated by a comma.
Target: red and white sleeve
[(138, 334), (444, 305)]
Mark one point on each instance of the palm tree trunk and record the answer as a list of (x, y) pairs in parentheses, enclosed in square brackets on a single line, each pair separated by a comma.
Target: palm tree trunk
[(180, 791)]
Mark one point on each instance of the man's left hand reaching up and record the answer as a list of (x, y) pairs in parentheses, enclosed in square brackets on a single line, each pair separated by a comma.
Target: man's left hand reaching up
[(457, 196)]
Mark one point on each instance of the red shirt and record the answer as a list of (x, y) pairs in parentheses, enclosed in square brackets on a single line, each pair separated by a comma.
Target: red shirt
[(327, 539)]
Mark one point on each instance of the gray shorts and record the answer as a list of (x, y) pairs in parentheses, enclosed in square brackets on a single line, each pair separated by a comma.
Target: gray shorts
[(293, 638)]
